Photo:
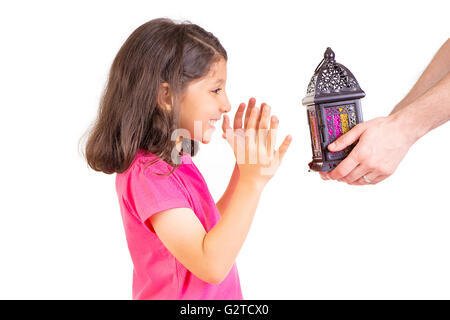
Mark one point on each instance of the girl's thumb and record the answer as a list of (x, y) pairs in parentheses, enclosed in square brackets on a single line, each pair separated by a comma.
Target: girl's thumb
[(283, 147)]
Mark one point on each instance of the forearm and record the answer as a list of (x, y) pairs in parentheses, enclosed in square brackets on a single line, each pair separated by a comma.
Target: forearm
[(435, 71), (429, 111), (223, 242), (226, 197)]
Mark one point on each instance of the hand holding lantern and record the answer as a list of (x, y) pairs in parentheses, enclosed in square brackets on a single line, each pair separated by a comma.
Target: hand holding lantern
[(377, 138)]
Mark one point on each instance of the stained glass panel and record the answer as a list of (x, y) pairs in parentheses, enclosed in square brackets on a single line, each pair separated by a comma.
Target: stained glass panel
[(339, 120), (317, 152)]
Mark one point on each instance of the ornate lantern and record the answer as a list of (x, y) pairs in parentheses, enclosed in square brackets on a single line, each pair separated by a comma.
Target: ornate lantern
[(333, 108)]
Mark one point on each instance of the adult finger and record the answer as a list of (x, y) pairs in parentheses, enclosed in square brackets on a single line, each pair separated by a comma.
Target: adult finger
[(379, 179), (250, 106), (344, 168), (348, 138), (323, 175), (356, 173), (372, 177), (238, 117)]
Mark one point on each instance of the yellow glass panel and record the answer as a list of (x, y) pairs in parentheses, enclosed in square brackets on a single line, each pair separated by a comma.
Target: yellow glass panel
[(344, 122)]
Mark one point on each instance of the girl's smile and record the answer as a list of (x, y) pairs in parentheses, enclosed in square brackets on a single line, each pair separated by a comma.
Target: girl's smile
[(204, 102)]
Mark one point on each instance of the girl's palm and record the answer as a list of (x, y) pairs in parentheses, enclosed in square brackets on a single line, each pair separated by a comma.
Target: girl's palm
[(253, 141)]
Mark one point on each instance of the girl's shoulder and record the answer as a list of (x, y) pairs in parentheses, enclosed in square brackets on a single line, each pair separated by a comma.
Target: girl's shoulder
[(146, 168), (150, 162)]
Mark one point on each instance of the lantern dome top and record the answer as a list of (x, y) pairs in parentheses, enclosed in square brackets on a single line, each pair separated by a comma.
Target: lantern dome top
[(332, 82)]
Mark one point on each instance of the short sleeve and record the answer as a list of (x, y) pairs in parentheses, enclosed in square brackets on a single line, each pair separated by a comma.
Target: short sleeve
[(153, 193)]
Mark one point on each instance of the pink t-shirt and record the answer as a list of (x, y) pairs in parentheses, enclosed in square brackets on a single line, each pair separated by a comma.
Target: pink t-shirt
[(157, 273)]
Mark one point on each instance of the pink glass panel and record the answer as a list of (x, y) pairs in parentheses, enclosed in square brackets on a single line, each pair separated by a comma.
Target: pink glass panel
[(337, 126)]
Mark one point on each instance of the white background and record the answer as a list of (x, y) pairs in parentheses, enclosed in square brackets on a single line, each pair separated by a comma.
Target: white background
[(61, 234)]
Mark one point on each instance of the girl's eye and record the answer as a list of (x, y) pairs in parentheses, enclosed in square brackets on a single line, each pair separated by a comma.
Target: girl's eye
[(216, 91)]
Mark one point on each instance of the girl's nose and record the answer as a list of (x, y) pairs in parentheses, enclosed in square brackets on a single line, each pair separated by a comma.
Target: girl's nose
[(226, 106)]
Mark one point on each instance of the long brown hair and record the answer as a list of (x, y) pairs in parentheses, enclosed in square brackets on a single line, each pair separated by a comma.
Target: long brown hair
[(132, 114)]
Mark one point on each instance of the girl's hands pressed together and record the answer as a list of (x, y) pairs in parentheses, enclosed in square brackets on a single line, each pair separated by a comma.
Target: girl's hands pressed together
[(253, 141)]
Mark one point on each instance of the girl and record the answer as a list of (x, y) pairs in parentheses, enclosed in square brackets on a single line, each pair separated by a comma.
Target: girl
[(166, 90)]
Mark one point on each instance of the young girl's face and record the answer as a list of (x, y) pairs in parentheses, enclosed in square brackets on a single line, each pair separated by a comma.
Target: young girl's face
[(204, 102)]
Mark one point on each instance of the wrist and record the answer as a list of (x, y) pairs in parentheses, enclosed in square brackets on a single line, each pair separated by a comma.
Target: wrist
[(251, 184), (408, 123)]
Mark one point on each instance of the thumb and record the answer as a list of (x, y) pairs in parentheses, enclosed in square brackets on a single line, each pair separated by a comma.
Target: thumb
[(283, 147), (225, 123), (347, 139), (226, 128)]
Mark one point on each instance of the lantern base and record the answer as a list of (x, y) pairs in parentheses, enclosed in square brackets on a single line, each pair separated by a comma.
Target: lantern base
[(326, 166)]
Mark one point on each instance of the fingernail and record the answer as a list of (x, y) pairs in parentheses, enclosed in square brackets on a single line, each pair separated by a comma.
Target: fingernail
[(332, 145)]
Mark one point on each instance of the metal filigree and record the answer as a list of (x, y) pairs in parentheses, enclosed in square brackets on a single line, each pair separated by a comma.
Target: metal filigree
[(334, 78), (312, 86)]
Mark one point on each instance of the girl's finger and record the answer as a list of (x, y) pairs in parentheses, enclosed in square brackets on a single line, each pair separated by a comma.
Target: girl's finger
[(283, 148), (272, 135), (238, 117), (251, 105), (252, 119), (225, 123), (264, 117), (260, 114), (262, 124), (227, 130)]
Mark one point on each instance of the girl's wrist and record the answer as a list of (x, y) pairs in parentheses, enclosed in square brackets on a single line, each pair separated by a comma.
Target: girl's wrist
[(252, 184)]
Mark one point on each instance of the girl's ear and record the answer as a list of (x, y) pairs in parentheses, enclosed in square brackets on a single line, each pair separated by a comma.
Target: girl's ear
[(164, 99)]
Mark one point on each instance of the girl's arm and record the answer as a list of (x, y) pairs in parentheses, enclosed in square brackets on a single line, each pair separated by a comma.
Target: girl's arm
[(211, 255), (225, 199)]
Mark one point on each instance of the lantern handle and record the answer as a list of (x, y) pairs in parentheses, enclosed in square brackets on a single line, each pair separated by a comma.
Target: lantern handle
[(319, 65), (328, 55)]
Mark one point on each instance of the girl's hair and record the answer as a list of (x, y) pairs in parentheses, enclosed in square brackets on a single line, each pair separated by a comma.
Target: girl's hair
[(132, 114)]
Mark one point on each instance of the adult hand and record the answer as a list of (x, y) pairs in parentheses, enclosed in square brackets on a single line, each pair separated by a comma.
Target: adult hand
[(383, 143)]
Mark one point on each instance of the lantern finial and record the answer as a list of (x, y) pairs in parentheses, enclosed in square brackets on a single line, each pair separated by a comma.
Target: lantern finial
[(329, 54)]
